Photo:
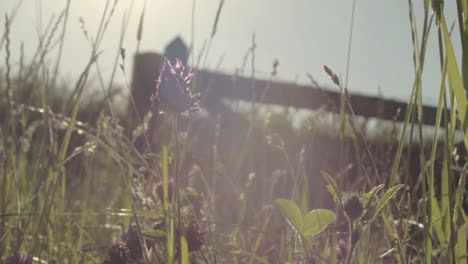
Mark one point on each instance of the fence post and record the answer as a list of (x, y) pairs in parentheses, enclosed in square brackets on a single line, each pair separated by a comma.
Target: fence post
[(146, 69)]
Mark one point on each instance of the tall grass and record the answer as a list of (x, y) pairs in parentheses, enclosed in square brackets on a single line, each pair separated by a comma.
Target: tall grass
[(237, 188)]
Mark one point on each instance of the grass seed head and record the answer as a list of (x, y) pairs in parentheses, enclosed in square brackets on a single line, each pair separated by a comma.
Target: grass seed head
[(332, 75)]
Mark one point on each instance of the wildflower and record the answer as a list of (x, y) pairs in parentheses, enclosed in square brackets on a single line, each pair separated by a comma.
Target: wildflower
[(342, 249), (352, 206), (132, 242), (131, 239), (195, 239), (20, 259), (117, 254), (173, 91)]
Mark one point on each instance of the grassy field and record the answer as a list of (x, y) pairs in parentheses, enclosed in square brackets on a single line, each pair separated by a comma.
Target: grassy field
[(78, 185)]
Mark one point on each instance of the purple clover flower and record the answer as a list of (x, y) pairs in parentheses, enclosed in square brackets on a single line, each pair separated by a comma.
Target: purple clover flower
[(342, 248), (173, 92), (132, 241), (20, 259)]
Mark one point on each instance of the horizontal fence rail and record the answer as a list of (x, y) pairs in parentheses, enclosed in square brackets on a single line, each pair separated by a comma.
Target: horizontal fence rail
[(214, 86)]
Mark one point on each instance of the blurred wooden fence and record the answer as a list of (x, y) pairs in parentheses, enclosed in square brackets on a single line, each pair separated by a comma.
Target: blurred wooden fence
[(216, 86)]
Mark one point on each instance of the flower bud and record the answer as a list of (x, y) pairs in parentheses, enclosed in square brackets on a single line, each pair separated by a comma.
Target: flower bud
[(353, 206)]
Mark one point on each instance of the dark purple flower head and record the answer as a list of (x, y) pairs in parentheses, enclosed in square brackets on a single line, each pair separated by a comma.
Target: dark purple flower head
[(352, 205), (132, 241), (342, 249), (20, 259), (131, 238), (195, 238), (173, 92), (117, 254)]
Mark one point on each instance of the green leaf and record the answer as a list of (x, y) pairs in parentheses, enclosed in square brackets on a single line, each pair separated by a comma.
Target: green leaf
[(458, 219), (333, 188), (369, 195), (184, 256), (291, 212), (455, 80), (386, 197), (460, 247), (153, 156), (462, 7), (154, 233), (316, 221)]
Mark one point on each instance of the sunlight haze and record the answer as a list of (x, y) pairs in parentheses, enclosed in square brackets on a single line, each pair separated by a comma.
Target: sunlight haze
[(304, 35)]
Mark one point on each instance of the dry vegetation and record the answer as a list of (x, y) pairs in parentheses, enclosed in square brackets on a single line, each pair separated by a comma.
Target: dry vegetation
[(79, 185)]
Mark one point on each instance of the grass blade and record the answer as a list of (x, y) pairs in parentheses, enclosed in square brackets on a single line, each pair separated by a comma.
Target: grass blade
[(184, 254), (386, 197), (455, 80)]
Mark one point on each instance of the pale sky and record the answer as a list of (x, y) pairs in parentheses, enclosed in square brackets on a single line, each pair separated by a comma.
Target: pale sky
[(303, 34)]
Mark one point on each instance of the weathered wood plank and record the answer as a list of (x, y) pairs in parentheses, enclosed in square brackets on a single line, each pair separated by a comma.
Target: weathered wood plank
[(214, 86)]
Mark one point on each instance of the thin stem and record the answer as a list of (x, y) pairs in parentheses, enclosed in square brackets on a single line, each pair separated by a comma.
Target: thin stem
[(305, 249), (177, 182), (351, 243), (349, 43), (350, 230), (192, 33)]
